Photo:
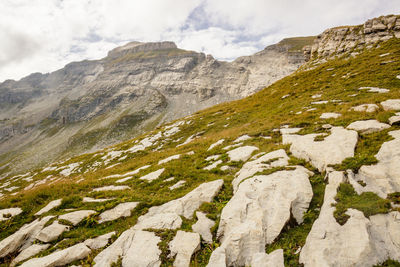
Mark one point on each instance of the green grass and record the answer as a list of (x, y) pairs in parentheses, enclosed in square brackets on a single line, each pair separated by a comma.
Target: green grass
[(296, 44)]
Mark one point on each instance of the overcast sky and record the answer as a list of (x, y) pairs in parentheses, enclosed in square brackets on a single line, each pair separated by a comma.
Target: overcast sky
[(44, 35)]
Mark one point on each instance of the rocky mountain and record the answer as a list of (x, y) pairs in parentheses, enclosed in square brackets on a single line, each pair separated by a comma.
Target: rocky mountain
[(304, 172), (90, 104)]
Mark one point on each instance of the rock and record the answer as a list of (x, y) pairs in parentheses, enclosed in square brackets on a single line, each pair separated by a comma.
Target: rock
[(60, 258), (242, 138), (153, 175), (29, 252), (76, 217), (6, 214), (320, 102), (121, 210), (177, 185), (169, 179), (23, 238), (111, 188), (369, 108), (368, 126), (330, 115), (99, 242), (394, 120), (167, 216), (183, 246), (259, 210), (218, 258), (203, 226), (174, 157), (391, 104), (274, 259), (340, 144), (241, 153), (213, 165), (225, 168), (51, 232), (316, 96), (374, 89), (143, 251), (273, 159), (290, 130), (214, 157), (53, 204), (95, 200), (219, 142)]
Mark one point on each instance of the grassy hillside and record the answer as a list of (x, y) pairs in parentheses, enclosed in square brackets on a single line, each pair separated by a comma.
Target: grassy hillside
[(286, 102)]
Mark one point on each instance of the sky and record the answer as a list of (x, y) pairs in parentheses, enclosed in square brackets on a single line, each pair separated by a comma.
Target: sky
[(45, 35)]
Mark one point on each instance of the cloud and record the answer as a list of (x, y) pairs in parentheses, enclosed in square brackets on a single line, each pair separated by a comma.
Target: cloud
[(44, 35)]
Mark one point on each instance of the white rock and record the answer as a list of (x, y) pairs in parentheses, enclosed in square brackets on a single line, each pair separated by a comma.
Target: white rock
[(6, 214), (99, 242), (320, 102), (95, 200), (369, 108), (69, 169), (394, 120), (76, 217), (23, 238), (121, 210), (174, 157), (218, 258), (242, 138), (60, 258), (183, 246), (111, 188), (203, 226), (214, 157), (330, 115), (368, 126), (153, 175), (177, 185), (259, 210), (290, 130), (29, 252), (274, 259), (52, 204), (391, 104), (241, 153), (273, 159), (167, 216), (374, 89), (51, 232), (225, 168), (340, 144), (316, 96), (143, 251), (213, 165), (169, 179), (218, 143), (232, 146)]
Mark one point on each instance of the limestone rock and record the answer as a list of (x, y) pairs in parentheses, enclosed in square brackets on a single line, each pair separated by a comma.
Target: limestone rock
[(177, 185), (60, 258), (369, 108), (111, 188), (259, 210), (289, 130), (273, 159), (121, 210), (391, 104), (219, 142), (213, 157), (218, 258), (340, 144), (203, 227), (51, 232), (330, 115), (375, 89), (6, 214), (143, 251), (52, 204), (242, 138), (29, 252), (95, 200), (174, 157), (183, 246), (167, 216), (241, 153), (213, 165), (274, 259), (99, 242), (153, 175), (76, 217), (368, 126), (394, 120)]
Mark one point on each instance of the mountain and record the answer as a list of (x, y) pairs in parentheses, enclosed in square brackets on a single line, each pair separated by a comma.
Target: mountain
[(302, 173), (91, 104)]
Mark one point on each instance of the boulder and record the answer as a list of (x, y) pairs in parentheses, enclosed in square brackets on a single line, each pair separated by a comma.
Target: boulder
[(29, 252), (153, 175), (183, 246), (369, 108), (121, 210), (6, 214), (340, 144), (368, 126), (330, 115), (99, 242), (203, 227), (391, 104), (52, 204), (60, 258), (259, 210), (51, 232), (274, 259), (76, 217), (241, 153)]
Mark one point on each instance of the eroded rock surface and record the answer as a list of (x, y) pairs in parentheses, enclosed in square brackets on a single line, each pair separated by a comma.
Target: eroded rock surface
[(368, 126), (52, 204), (76, 217), (203, 227), (183, 246), (119, 211), (273, 259), (242, 153)]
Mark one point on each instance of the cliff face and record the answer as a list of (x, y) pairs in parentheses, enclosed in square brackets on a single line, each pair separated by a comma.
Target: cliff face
[(90, 104)]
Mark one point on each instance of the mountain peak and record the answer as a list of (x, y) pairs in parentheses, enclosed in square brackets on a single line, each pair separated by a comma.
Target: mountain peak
[(134, 47)]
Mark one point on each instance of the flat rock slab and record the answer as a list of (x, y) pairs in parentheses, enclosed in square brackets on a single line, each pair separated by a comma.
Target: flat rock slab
[(340, 144), (95, 200), (242, 138), (167, 216), (241, 153), (203, 227), (51, 232), (119, 211), (273, 259), (6, 214), (218, 143), (330, 115), (52, 204), (258, 211), (289, 130), (369, 108), (76, 217), (368, 126), (112, 188), (213, 165), (153, 175), (29, 252), (60, 258), (183, 246), (391, 104), (174, 157), (99, 242), (218, 258), (375, 89), (177, 185), (394, 120)]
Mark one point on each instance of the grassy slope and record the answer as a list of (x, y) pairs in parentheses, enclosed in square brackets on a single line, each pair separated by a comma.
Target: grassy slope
[(256, 115)]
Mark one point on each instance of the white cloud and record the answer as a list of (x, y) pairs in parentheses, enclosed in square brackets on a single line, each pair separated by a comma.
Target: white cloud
[(43, 35)]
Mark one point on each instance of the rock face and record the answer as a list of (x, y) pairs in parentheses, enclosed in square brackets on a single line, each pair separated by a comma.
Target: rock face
[(183, 246), (259, 210), (339, 145)]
